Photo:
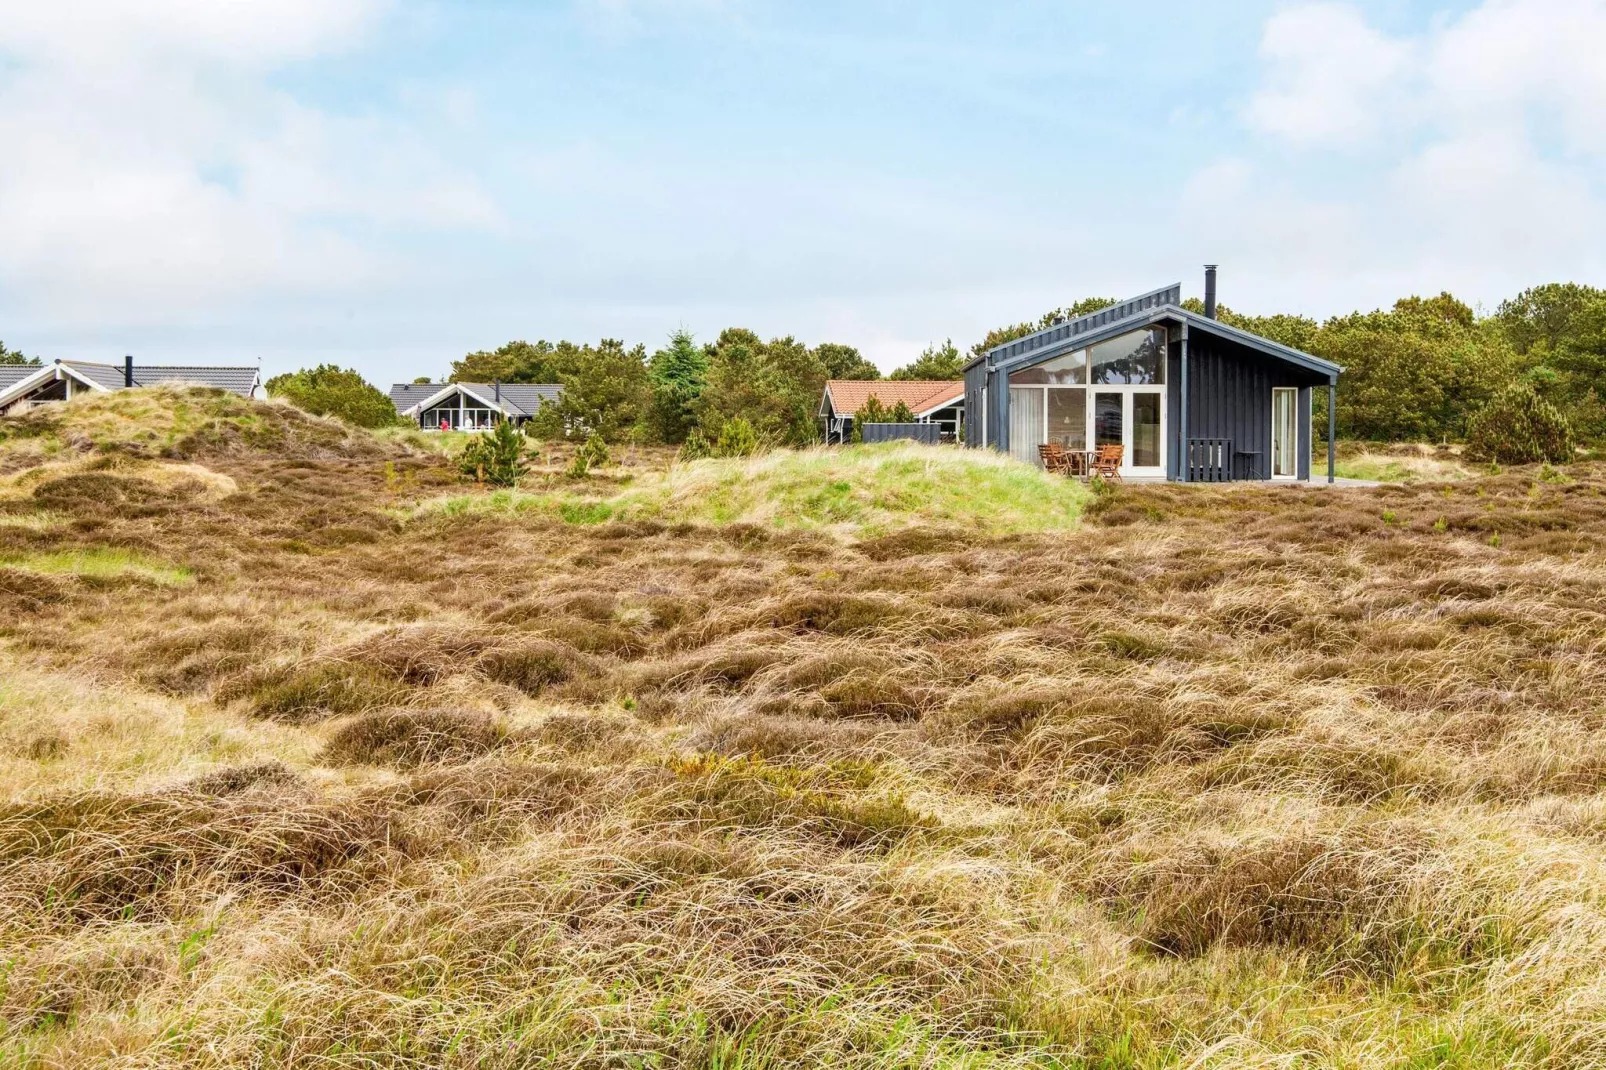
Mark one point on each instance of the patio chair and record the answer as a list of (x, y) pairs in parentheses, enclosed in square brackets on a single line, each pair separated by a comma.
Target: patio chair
[(1107, 462), (1056, 458)]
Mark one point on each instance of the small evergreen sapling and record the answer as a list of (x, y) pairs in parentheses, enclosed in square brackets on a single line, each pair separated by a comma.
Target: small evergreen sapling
[(495, 457), (592, 454)]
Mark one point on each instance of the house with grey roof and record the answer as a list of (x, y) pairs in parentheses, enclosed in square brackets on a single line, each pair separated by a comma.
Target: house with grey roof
[(25, 386), (1156, 390), (470, 406)]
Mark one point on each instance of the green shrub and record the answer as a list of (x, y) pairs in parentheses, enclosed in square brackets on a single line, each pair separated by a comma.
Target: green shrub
[(874, 412), (496, 457), (592, 454), (1517, 426), (696, 446), (330, 391), (737, 438)]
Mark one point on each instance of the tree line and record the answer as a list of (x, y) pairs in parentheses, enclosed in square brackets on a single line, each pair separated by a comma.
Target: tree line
[(1422, 370)]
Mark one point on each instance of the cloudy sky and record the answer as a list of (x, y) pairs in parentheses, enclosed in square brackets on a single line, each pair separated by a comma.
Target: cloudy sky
[(390, 183)]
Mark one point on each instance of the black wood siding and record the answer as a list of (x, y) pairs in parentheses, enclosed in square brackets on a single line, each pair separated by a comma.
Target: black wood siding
[(1230, 387), (975, 379)]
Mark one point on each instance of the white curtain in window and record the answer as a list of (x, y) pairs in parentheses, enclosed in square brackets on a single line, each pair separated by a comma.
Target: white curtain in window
[(1285, 422), (1025, 424)]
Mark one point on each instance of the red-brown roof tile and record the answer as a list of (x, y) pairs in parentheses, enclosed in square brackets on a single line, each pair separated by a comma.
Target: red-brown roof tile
[(849, 395)]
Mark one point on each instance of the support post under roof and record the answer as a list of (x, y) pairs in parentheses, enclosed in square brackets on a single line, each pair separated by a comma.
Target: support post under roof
[(1332, 431)]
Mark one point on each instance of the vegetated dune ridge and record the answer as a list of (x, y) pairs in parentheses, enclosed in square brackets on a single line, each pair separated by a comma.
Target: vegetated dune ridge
[(301, 773), (858, 493)]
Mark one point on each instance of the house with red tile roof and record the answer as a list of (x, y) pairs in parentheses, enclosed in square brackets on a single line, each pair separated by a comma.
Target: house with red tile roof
[(941, 403)]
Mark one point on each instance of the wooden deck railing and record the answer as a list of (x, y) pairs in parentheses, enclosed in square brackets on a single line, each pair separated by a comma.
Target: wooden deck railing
[(1209, 460)]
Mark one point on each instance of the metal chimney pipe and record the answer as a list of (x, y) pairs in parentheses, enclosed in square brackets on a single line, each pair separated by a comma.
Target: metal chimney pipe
[(1210, 291), (128, 370), (499, 393)]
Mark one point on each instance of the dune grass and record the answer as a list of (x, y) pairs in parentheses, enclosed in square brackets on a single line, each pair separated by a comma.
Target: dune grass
[(100, 563), (1396, 463), (1211, 777), (865, 491)]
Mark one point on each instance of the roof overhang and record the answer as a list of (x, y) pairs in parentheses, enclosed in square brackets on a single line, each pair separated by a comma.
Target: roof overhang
[(455, 388), (957, 399), (1253, 341), (1126, 311), (1170, 314), (49, 373)]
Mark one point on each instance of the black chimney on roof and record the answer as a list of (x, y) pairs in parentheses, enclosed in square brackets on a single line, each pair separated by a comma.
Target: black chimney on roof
[(499, 393), (128, 370), (1210, 291)]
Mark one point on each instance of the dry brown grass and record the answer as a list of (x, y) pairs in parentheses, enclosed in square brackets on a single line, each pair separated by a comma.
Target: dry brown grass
[(1244, 776)]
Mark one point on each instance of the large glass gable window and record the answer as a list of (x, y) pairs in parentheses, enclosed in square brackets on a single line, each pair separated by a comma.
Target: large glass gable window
[(1133, 359), (1069, 370), (1136, 359)]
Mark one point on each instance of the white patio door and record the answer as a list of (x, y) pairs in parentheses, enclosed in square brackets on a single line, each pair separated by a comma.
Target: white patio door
[(1285, 433), (1133, 419), (1145, 448)]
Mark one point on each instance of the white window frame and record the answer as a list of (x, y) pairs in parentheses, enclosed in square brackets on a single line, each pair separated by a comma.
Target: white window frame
[(1293, 425), (1127, 391)]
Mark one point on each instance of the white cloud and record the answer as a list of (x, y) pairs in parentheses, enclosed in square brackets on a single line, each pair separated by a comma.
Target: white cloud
[(1466, 156), (1332, 79), (153, 172), (1510, 58), (1329, 74), (242, 31)]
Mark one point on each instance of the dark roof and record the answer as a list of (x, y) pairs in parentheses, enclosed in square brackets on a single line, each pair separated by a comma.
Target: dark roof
[(12, 374), (1152, 307), (1253, 341), (518, 399), (240, 380), (406, 395)]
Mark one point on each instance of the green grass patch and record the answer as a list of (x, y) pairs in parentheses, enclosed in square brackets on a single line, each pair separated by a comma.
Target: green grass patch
[(101, 564), (1392, 465), (864, 491)]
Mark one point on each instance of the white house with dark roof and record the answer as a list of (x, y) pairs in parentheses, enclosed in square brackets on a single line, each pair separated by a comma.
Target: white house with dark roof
[(470, 406), (24, 386)]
